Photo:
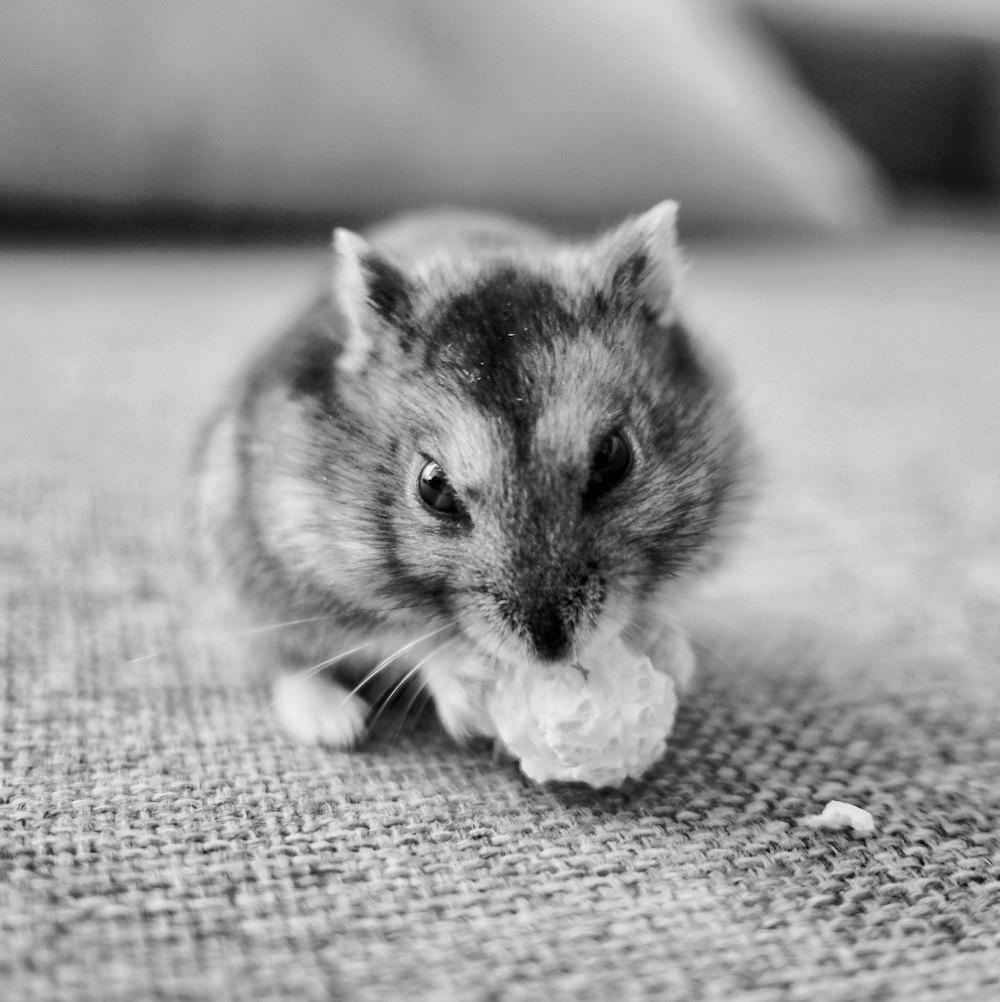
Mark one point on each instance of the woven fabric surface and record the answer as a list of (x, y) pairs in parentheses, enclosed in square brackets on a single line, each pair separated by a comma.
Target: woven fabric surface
[(159, 841)]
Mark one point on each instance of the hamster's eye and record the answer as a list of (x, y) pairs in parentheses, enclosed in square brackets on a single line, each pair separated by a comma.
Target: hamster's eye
[(437, 493), (610, 464)]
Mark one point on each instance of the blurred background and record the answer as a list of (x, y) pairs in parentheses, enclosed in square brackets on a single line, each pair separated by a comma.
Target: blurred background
[(259, 119)]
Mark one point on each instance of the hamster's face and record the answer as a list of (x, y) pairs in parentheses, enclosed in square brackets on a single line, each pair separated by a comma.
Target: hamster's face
[(558, 459)]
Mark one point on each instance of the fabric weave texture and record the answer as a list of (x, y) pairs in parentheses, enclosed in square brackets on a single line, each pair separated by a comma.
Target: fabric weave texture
[(159, 841)]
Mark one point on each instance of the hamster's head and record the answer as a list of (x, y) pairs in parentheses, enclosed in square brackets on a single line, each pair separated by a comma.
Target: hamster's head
[(554, 448)]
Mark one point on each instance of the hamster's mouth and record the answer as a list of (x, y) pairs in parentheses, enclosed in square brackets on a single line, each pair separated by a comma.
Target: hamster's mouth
[(499, 649)]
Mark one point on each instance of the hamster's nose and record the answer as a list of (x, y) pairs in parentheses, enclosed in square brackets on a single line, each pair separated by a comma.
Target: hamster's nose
[(549, 603), (549, 634)]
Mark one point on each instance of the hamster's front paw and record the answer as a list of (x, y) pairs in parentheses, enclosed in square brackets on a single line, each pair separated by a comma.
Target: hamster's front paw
[(670, 651), (313, 710)]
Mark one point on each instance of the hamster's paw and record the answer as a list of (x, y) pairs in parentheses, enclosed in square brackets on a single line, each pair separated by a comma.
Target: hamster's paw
[(311, 709), (671, 652)]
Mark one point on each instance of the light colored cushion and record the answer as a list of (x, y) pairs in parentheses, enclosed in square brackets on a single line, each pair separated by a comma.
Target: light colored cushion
[(567, 108)]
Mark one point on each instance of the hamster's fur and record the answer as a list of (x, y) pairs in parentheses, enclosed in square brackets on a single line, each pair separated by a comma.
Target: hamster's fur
[(482, 443)]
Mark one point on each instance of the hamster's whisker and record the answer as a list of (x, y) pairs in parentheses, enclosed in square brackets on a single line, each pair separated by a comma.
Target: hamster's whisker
[(651, 618), (713, 651), (273, 627), (495, 638), (231, 634), (145, 657), (716, 653), (384, 702), (422, 688), (329, 662), (316, 669), (420, 691), (632, 635), (386, 662), (647, 619), (281, 626), (387, 699)]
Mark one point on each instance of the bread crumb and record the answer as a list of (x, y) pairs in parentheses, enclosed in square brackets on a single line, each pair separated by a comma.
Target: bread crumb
[(597, 722), (838, 815)]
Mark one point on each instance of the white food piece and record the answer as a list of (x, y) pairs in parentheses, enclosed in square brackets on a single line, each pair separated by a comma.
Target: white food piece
[(838, 815), (599, 725)]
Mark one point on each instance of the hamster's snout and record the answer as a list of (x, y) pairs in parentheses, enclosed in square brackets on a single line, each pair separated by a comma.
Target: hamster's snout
[(549, 616), (547, 630)]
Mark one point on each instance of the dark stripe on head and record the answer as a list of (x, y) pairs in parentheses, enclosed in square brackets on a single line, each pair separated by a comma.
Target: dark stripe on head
[(482, 334)]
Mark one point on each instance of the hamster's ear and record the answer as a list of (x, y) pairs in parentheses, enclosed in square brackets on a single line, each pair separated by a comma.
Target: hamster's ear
[(364, 290), (642, 261)]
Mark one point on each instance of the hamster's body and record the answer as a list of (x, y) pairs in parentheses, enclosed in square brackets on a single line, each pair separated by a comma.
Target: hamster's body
[(483, 444)]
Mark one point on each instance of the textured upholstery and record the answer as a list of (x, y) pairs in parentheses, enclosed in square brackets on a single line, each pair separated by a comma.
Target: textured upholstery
[(157, 840)]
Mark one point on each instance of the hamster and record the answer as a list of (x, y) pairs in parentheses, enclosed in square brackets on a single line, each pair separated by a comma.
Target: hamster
[(482, 445)]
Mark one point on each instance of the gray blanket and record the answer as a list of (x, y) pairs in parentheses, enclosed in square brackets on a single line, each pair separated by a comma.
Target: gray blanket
[(159, 841)]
